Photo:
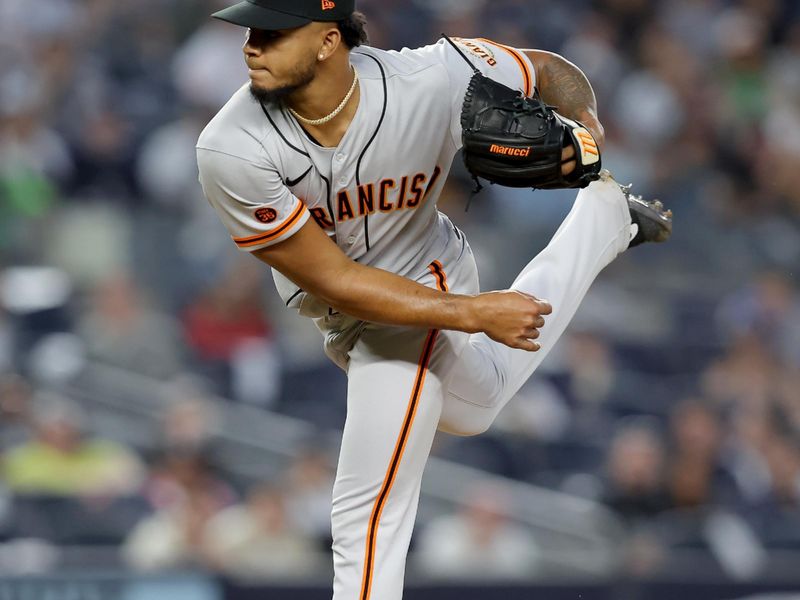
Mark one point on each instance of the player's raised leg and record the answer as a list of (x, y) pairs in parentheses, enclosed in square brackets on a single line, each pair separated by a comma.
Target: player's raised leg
[(488, 374)]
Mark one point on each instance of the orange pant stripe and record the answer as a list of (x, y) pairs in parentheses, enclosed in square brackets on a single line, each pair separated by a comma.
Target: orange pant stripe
[(397, 455)]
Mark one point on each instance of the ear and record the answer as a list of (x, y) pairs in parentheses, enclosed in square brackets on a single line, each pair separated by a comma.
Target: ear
[(332, 39)]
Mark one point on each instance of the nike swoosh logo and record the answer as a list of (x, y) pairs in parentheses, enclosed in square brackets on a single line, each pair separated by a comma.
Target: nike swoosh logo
[(294, 182)]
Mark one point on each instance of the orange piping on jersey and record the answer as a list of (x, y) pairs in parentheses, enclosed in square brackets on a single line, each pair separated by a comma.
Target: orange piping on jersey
[(438, 272), (523, 64), (255, 240), (391, 474)]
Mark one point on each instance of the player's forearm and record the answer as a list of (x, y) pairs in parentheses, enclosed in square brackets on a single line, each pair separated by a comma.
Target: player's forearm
[(382, 297), (509, 317), (312, 261), (316, 265), (564, 85)]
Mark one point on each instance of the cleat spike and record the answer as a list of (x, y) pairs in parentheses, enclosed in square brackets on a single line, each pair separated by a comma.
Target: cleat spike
[(653, 220)]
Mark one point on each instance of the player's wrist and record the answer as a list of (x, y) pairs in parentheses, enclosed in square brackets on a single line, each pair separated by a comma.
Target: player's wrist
[(595, 127), (470, 313)]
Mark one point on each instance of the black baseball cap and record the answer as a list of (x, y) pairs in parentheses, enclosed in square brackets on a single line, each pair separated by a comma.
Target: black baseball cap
[(284, 14)]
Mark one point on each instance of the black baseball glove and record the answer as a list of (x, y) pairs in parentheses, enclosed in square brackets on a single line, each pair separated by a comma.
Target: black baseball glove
[(517, 141)]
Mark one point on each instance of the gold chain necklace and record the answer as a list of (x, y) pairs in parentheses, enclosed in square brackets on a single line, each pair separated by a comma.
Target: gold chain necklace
[(335, 112)]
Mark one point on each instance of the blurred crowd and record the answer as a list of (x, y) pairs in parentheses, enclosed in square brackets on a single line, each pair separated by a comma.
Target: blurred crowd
[(170, 507), (674, 400)]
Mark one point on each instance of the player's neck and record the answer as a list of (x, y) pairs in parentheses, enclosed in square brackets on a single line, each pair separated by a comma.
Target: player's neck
[(323, 95)]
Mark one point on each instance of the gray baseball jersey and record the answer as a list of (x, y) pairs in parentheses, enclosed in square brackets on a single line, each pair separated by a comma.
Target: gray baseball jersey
[(375, 194)]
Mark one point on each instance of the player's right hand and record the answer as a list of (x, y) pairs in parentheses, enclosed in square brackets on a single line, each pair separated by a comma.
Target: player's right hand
[(512, 318)]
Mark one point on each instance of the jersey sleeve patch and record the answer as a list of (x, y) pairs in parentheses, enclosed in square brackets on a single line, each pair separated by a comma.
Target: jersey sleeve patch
[(251, 199), (269, 215), (266, 215)]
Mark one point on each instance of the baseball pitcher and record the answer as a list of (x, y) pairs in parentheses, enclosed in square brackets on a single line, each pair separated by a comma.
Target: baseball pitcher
[(327, 166)]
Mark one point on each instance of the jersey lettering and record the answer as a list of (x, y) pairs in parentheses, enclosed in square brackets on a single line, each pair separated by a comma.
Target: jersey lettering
[(420, 187), (366, 199), (436, 172), (478, 50), (383, 204), (416, 189), (401, 197), (345, 209), (320, 215)]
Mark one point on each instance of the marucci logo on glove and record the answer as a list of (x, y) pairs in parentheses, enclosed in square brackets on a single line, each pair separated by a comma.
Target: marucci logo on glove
[(506, 151)]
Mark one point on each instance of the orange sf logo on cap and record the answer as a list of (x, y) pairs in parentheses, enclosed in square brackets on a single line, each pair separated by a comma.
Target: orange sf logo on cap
[(328, 4)]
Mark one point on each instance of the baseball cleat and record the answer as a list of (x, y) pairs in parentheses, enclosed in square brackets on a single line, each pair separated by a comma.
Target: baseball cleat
[(654, 221)]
